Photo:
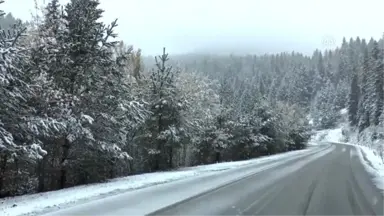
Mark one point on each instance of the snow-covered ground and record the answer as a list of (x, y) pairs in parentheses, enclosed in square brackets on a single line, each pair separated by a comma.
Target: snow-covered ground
[(330, 135), (44, 202), (374, 164), (372, 161)]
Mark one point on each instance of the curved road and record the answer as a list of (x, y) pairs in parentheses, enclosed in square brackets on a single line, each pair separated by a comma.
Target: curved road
[(334, 184)]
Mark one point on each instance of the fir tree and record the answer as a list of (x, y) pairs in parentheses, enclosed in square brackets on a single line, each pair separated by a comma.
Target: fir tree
[(163, 131), (363, 111), (376, 83), (353, 101)]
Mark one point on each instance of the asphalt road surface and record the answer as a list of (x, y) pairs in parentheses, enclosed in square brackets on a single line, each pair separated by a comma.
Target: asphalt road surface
[(334, 184)]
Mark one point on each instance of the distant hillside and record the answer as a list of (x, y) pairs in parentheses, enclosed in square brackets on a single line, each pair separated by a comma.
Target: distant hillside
[(258, 46)]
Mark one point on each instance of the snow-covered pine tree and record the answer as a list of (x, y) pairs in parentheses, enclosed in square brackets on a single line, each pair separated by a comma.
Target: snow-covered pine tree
[(97, 78), (364, 107), (163, 132), (22, 129), (380, 85), (224, 120), (376, 83), (353, 101), (320, 72), (201, 100), (53, 17), (13, 92), (304, 84), (324, 108)]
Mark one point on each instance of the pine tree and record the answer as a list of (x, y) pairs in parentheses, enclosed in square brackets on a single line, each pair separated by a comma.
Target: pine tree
[(353, 101), (320, 67), (358, 42), (325, 108), (379, 110), (304, 86), (21, 128), (52, 17), (163, 132), (15, 121), (342, 69), (376, 83), (97, 101), (363, 111)]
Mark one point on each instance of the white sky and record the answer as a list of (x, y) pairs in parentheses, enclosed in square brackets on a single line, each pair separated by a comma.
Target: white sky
[(184, 25)]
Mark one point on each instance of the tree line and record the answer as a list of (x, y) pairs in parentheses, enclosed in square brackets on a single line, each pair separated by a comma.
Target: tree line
[(80, 107)]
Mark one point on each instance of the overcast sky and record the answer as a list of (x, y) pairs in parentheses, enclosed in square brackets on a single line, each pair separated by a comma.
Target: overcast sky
[(278, 25)]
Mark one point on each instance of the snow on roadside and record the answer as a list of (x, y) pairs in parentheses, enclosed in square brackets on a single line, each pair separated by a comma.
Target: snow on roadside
[(334, 135), (373, 164), (27, 204), (329, 135), (369, 157), (317, 137)]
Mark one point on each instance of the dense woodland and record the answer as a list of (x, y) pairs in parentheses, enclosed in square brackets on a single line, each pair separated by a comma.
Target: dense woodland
[(80, 107)]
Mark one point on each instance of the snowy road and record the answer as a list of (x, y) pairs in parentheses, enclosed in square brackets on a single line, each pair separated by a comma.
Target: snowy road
[(146, 200), (328, 180), (334, 184)]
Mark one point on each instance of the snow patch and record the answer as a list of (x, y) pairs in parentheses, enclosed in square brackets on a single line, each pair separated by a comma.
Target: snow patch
[(87, 118), (344, 111)]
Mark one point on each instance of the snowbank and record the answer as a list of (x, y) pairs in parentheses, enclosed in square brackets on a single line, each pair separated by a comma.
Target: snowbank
[(35, 203), (374, 164)]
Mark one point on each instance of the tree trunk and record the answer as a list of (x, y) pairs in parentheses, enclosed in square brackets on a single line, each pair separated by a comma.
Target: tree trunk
[(218, 157), (63, 169), (53, 173), (111, 169), (184, 159), (3, 167), (159, 145), (170, 157), (156, 166), (41, 174)]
